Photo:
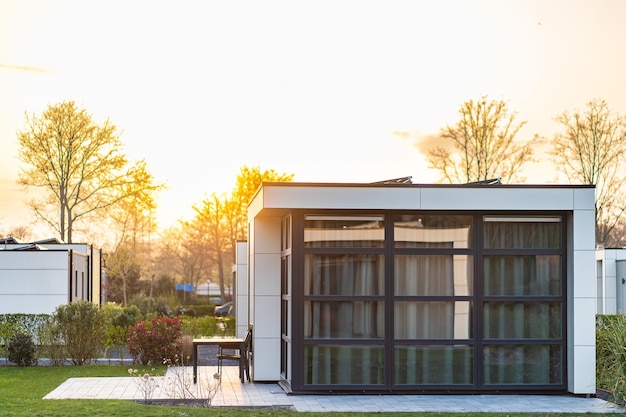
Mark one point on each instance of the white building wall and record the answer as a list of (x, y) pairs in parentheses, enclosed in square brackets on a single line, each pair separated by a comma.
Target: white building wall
[(265, 307), (581, 297), (581, 317), (241, 289), (33, 282), (611, 297)]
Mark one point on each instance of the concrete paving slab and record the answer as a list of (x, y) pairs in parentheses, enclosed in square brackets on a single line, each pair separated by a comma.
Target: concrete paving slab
[(230, 392)]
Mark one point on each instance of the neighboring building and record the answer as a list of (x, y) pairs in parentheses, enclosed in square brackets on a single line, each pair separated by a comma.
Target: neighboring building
[(240, 280), (37, 277), (611, 280), (388, 288)]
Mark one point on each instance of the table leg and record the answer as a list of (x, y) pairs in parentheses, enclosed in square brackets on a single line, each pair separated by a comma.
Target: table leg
[(195, 363)]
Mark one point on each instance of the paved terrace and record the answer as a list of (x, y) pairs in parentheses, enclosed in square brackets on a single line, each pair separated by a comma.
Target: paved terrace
[(232, 393)]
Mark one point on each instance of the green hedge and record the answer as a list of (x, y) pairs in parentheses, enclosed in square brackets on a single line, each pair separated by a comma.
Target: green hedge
[(29, 323)]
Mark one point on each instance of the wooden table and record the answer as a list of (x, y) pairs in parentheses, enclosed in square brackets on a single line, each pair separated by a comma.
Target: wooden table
[(223, 342)]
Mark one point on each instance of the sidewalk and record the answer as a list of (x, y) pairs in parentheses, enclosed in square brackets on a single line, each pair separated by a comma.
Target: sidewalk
[(232, 393)]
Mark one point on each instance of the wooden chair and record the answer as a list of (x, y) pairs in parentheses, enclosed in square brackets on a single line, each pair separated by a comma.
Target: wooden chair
[(241, 355)]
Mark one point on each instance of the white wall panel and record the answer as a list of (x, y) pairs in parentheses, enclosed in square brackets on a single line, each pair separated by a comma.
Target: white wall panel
[(500, 198), (268, 272), (30, 281), (585, 321), (584, 229), (35, 260), (583, 370), (31, 303), (266, 367), (584, 198), (585, 272)]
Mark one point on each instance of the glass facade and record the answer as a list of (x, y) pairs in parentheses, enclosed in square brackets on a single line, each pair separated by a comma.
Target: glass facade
[(419, 301)]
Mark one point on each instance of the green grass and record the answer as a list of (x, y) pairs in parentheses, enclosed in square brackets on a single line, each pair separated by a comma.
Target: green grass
[(22, 390)]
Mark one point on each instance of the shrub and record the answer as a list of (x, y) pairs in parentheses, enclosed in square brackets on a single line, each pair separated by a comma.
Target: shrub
[(21, 349), (51, 344), (121, 316), (29, 323), (209, 326), (153, 342), (7, 331), (119, 321), (163, 310), (611, 355), (82, 326)]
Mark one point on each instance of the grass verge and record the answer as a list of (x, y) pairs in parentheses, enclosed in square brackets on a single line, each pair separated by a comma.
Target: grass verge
[(22, 390)]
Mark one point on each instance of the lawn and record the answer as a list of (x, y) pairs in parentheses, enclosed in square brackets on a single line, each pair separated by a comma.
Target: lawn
[(22, 390)]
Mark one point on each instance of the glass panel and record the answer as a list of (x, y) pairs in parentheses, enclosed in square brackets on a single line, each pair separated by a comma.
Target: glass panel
[(523, 233), (519, 364), (432, 320), (344, 231), (522, 275), (522, 320), (344, 320), (433, 275), (344, 274), (434, 364), (328, 364), (432, 231)]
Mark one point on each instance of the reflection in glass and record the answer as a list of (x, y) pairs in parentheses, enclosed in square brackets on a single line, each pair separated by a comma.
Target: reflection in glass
[(344, 320), (522, 320), (432, 231), (522, 275), (344, 231), (433, 364), (522, 364), (423, 275), (344, 274), (432, 320), (328, 364), (522, 233)]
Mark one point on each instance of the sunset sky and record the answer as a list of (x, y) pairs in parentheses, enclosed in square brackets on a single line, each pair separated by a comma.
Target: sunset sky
[(313, 88)]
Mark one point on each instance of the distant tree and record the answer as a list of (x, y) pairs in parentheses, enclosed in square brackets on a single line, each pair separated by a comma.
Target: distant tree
[(481, 145), (77, 161), (247, 184), (184, 254), (222, 219), (123, 273), (211, 223), (591, 150), (133, 225), (20, 232)]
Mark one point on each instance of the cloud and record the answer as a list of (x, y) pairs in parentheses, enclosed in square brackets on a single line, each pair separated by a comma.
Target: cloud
[(25, 68), (425, 143)]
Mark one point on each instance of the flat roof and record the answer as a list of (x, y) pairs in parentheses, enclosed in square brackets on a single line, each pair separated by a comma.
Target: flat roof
[(403, 196)]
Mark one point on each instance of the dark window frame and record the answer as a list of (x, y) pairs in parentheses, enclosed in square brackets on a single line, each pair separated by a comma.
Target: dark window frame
[(477, 299)]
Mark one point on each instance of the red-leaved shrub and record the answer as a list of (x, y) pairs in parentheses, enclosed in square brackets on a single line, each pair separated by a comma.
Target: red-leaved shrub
[(153, 342)]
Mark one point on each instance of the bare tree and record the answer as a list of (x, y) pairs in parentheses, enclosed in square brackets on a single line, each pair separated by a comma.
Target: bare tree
[(184, 253), (483, 144), (223, 219), (19, 232), (210, 222), (591, 150), (77, 161), (133, 225)]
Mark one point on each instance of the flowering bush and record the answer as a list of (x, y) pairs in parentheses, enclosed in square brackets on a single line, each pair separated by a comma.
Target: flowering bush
[(146, 383), (155, 341)]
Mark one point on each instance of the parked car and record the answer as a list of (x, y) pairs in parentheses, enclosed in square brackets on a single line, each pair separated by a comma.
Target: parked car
[(224, 310)]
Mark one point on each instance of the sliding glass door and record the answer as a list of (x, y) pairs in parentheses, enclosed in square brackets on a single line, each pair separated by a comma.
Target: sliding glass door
[(433, 299), (429, 301), (523, 301)]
